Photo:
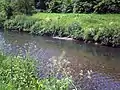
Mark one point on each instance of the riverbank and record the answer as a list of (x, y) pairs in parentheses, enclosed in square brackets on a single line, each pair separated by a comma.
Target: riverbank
[(101, 28), (20, 73)]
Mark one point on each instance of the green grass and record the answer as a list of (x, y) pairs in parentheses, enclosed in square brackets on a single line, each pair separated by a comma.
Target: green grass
[(17, 73), (85, 20), (101, 28)]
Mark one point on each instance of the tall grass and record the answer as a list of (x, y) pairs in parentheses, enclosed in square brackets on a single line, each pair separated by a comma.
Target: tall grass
[(102, 28)]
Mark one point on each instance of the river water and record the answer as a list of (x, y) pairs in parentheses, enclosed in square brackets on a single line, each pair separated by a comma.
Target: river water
[(99, 66)]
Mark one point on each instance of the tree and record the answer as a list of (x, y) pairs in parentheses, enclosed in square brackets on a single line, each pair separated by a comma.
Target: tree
[(23, 6), (5, 8), (11, 7)]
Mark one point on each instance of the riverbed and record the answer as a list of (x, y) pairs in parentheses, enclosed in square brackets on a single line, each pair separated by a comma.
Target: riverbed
[(99, 66)]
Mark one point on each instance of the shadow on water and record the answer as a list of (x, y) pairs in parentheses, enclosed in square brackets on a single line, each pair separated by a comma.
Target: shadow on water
[(98, 66)]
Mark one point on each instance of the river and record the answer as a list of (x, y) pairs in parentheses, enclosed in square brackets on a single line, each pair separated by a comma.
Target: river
[(100, 62)]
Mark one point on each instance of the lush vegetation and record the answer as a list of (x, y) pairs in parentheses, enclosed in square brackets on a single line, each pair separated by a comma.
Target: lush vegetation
[(20, 73), (9, 8), (79, 6), (17, 73), (101, 28)]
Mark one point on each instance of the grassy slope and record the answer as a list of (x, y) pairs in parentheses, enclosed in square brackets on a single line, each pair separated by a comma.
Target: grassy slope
[(86, 20)]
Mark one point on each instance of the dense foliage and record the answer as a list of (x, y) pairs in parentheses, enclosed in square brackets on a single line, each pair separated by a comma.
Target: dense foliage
[(13, 7), (17, 73), (90, 27), (79, 6), (10, 8), (104, 28)]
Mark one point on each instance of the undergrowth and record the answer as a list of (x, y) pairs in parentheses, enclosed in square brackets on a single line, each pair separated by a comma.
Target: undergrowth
[(101, 28)]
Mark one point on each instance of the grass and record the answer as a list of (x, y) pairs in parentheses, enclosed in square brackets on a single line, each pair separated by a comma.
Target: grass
[(17, 73), (85, 20), (101, 28)]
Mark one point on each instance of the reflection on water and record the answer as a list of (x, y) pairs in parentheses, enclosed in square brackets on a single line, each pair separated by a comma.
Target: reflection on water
[(98, 66)]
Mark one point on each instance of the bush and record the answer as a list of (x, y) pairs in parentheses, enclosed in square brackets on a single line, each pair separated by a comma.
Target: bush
[(2, 13), (20, 22), (81, 6), (108, 36), (89, 33), (43, 27), (107, 6), (2, 18), (17, 73), (74, 30)]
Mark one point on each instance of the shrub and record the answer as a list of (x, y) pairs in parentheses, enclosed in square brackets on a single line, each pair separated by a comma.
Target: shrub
[(2, 18), (17, 73), (20, 22), (107, 6), (36, 27), (89, 33), (44, 28), (74, 30), (108, 35), (80, 6)]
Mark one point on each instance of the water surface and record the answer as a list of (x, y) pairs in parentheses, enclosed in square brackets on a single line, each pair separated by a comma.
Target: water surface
[(99, 65)]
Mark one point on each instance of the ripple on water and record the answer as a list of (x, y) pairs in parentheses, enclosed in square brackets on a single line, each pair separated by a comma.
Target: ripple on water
[(99, 82)]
